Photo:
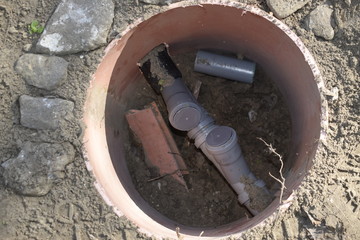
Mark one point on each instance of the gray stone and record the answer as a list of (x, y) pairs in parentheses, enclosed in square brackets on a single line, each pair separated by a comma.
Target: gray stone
[(77, 25), (44, 113), (13, 30), (46, 72), (37, 167), (284, 8), (319, 22)]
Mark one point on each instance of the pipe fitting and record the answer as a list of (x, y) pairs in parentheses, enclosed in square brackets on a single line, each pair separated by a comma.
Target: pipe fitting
[(200, 132), (184, 112), (222, 144)]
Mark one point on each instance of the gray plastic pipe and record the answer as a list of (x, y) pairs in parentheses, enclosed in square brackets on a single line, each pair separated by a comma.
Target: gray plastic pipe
[(225, 67), (184, 111), (199, 134), (220, 145)]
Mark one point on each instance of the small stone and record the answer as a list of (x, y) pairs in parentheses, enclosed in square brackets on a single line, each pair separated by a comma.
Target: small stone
[(24, 35), (319, 22), (284, 8), (252, 116), (76, 26), (27, 47), (21, 24), (44, 113), (46, 72), (35, 169), (334, 93), (12, 30), (353, 62), (23, 13)]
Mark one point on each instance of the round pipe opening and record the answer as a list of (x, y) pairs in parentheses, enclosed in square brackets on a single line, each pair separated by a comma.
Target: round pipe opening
[(231, 27)]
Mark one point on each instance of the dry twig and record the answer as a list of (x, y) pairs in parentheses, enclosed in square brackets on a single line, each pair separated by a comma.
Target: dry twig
[(168, 174), (282, 179)]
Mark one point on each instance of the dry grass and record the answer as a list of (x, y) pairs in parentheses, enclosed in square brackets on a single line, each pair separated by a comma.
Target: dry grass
[(282, 179)]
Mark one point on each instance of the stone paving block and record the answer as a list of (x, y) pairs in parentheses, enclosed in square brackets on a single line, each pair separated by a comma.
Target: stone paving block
[(44, 113), (76, 26), (47, 72), (37, 166)]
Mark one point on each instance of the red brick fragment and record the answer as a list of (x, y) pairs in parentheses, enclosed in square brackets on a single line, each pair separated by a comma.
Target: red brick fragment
[(159, 146)]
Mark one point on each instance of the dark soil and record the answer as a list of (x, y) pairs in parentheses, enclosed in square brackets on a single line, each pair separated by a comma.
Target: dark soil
[(210, 200)]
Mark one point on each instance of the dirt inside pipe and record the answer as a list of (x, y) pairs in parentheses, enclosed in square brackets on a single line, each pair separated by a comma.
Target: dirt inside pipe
[(210, 201)]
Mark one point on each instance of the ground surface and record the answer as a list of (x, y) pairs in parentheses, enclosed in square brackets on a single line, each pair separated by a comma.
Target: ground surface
[(326, 206)]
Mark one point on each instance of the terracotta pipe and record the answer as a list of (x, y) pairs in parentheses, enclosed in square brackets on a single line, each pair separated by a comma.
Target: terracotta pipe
[(215, 24)]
